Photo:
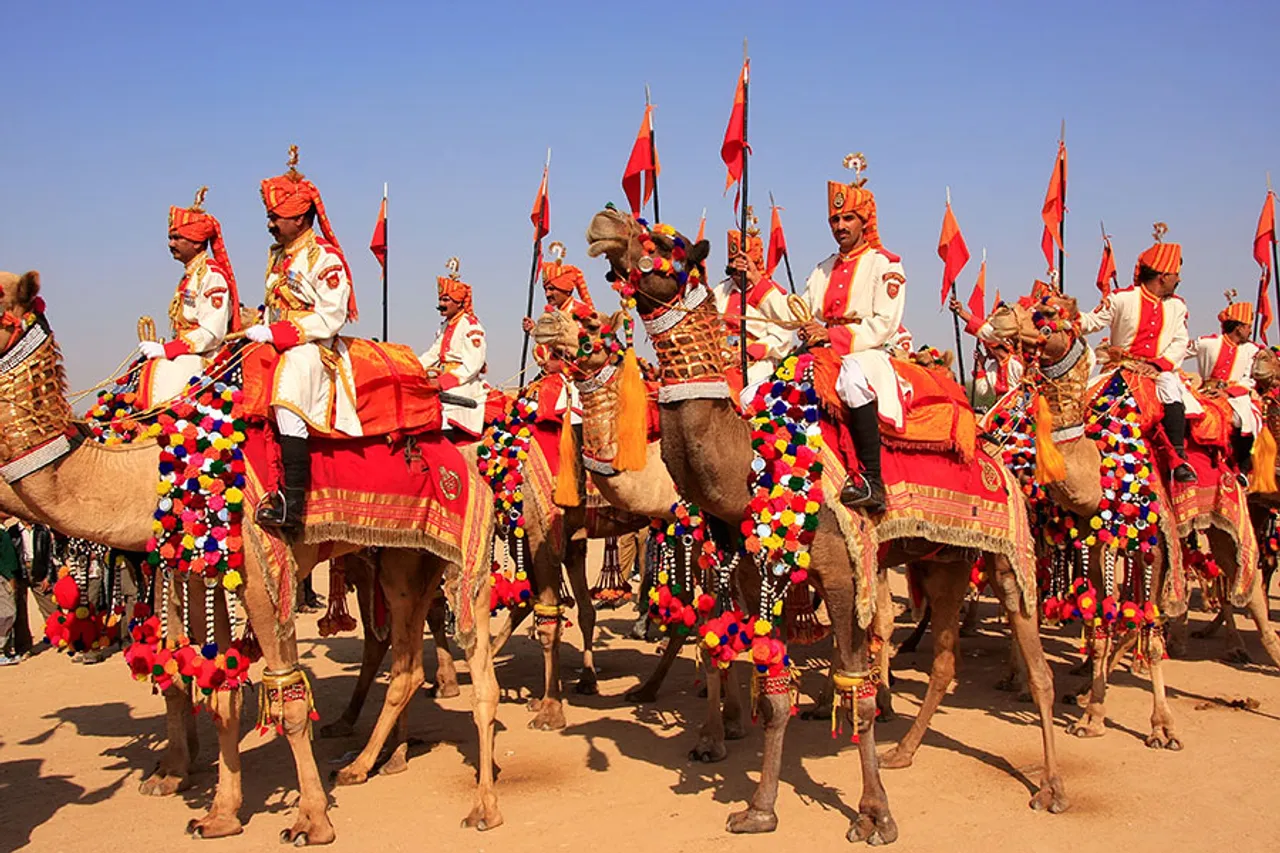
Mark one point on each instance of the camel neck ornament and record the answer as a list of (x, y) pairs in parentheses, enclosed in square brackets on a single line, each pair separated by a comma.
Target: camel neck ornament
[(32, 386)]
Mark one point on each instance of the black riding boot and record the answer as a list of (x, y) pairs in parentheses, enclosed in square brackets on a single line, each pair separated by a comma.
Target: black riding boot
[(1242, 450), (283, 509), (1175, 427), (865, 490)]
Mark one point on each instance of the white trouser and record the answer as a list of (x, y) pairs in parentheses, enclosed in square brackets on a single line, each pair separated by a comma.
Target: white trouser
[(1244, 415), (852, 386), (1168, 388), (289, 423)]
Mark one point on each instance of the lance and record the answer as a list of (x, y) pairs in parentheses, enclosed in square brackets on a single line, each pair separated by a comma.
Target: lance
[(746, 156), (384, 265), (653, 155), (786, 256), (955, 318), (533, 270), (1062, 225)]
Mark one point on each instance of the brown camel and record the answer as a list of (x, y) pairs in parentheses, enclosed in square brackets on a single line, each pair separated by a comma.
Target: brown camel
[(107, 494), (1062, 365), (706, 447)]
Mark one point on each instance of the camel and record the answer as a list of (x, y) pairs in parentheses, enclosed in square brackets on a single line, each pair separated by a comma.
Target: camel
[(1062, 371), (107, 494), (706, 447)]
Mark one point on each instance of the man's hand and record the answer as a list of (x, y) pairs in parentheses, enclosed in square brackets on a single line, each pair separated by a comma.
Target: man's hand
[(259, 334), (527, 324), (151, 349), (814, 334), (742, 263), (959, 310)]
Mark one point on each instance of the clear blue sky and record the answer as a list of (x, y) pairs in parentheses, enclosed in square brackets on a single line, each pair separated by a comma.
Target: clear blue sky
[(114, 111)]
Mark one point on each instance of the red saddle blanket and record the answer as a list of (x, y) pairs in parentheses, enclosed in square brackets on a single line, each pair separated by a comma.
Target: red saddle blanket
[(390, 384)]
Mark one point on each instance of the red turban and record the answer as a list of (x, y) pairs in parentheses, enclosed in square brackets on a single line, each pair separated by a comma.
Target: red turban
[(457, 290), (755, 247), (851, 198), (566, 278), (1240, 312), (192, 223), (290, 195), (1161, 257)]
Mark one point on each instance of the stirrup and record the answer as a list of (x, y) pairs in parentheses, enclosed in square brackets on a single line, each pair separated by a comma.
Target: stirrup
[(274, 513), (859, 492)]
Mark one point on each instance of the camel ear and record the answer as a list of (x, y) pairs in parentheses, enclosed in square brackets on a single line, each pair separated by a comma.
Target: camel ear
[(28, 288), (698, 252), (616, 321), (948, 358)]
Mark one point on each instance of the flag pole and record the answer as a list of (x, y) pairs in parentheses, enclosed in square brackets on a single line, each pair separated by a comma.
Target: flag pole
[(384, 266), (653, 154), (533, 278), (955, 318), (786, 256), (1275, 259), (746, 156), (1062, 224)]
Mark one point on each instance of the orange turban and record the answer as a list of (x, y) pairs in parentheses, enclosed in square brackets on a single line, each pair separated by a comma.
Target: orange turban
[(851, 198), (1240, 312), (456, 290), (566, 278), (755, 246), (192, 223), (1161, 257), (291, 194)]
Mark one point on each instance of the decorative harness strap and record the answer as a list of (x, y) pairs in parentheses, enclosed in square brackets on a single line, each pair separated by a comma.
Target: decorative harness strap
[(38, 433)]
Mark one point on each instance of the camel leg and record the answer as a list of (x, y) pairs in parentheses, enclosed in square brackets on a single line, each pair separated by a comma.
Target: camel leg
[(373, 652), (407, 588), (1162, 735), (912, 642), (821, 708), (484, 710), (446, 686), (575, 562), (550, 708), (1120, 649), (710, 746), (946, 589), (648, 691), (882, 628), (1235, 651), (1258, 609), (1026, 635), (1211, 630), (731, 691), (173, 772), (1094, 721), (969, 617)]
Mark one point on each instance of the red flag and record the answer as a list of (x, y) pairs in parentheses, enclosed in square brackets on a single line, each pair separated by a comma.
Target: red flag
[(1263, 240), (378, 245), (541, 214), (702, 227), (978, 299), (1107, 269), (777, 242), (1055, 205), (734, 147), (952, 250), (1264, 309), (643, 162)]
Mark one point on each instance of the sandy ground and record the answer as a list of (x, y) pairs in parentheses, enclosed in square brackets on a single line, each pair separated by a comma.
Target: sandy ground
[(75, 741)]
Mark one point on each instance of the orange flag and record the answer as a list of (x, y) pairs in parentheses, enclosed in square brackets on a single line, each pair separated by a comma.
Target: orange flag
[(1263, 239), (643, 163), (952, 250), (978, 299), (1107, 269), (540, 216), (1055, 206), (777, 242), (702, 227), (378, 245), (734, 148)]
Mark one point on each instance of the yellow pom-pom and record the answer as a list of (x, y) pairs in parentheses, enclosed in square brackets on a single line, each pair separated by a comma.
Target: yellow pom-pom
[(711, 639), (232, 580), (762, 627)]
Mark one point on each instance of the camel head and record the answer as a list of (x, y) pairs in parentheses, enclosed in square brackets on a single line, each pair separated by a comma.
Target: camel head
[(587, 342), (19, 296), (658, 261), (1048, 326), (1266, 369)]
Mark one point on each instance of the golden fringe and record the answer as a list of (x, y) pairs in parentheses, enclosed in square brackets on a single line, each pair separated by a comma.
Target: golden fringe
[(567, 478), (1172, 604), (1050, 466), (377, 537), (633, 416), (1264, 463)]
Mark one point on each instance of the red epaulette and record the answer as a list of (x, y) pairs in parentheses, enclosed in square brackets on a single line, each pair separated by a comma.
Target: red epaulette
[(217, 267), (329, 247), (893, 259)]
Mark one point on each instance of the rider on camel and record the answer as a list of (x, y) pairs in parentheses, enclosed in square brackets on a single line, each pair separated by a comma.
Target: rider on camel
[(204, 308), (999, 368), (560, 281), (309, 298), (1148, 325), (856, 298), (1225, 364), (457, 357)]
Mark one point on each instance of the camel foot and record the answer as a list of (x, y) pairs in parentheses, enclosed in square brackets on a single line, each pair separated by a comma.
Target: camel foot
[(1237, 655), (550, 716), (1052, 797), (709, 750), (443, 690), (734, 728), (587, 684), (1162, 737), (820, 711), (897, 758), (874, 831), (641, 694), (160, 784), (397, 762), (1088, 726), (214, 825), (341, 727), (484, 814), (751, 821), (350, 775)]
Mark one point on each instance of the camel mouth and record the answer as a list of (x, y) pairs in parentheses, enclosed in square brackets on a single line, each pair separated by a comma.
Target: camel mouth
[(607, 234)]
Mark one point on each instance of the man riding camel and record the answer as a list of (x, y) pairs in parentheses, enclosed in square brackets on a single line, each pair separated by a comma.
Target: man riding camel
[(856, 297), (768, 342), (560, 281), (1225, 364), (999, 368), (309, 298), (1148, 325), (457, 358), (204, 308)]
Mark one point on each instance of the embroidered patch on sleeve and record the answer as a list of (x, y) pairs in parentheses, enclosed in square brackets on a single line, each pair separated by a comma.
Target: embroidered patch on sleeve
[(333, 278), (893, 282)]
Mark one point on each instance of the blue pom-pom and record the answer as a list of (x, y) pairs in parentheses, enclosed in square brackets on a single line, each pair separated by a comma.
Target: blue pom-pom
[(209, 650)]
